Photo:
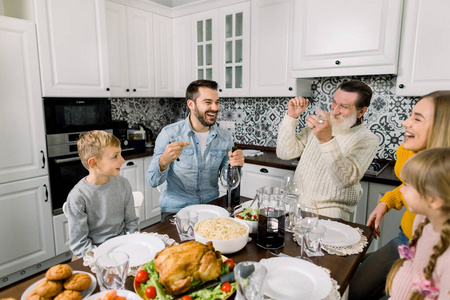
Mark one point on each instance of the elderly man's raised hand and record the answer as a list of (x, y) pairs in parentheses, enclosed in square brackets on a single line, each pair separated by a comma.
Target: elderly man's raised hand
[(297, 106)]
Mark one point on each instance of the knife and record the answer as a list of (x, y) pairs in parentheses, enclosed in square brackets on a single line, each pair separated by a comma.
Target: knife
[(247, 271)]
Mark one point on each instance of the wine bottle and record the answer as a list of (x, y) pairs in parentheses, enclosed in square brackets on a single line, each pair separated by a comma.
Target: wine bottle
[(236, 192)]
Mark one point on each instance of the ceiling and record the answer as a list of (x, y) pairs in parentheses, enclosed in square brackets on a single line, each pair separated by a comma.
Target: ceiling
[(174, 3)]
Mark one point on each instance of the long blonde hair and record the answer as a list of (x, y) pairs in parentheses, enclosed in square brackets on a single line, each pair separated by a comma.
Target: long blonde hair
[(429, 173), (440, 130)]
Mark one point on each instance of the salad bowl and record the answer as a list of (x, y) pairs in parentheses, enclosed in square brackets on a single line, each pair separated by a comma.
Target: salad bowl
[(249, 215)]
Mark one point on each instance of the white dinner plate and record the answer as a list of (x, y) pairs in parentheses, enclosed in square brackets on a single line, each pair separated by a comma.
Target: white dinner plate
[(339, 234), (291, 278), (206, 211), (84, 293), (140, 247), (123, 293)]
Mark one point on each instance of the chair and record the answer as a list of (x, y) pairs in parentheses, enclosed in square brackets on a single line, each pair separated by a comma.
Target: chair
[(64, 208), (138, 200)]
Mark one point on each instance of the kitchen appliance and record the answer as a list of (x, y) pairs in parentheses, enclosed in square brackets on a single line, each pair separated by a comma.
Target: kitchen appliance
[(66, 119), (120, 129)]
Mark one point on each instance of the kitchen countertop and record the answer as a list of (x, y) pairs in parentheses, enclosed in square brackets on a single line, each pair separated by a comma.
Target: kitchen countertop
[(270, 159)]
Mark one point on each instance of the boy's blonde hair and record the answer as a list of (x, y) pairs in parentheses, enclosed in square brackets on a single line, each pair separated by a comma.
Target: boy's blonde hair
[(428, 172), (92, 143)]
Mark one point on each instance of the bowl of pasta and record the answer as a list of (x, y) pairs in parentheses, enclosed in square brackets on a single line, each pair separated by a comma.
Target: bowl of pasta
[(228, 235)]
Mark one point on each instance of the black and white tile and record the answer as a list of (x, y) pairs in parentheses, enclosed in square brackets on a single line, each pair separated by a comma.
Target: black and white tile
[(255, 120)]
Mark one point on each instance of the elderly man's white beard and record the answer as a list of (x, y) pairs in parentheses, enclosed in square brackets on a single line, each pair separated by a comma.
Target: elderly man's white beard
[(342, 124)]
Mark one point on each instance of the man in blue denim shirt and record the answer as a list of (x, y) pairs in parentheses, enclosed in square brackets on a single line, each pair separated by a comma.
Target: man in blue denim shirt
[(189, 154)]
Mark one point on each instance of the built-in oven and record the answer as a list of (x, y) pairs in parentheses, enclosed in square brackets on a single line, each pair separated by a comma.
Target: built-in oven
[(66, 119)]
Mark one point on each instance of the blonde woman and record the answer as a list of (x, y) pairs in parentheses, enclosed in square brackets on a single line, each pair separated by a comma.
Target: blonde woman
[(427, 127)]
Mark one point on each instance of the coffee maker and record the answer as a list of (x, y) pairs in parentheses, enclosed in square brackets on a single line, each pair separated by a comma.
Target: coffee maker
[(120, 131)]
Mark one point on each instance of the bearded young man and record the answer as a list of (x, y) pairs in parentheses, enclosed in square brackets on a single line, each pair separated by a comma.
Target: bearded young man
[(189, 154), (335, 149)]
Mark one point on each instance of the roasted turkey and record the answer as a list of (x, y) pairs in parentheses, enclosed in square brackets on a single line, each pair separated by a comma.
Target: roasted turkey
[(178, 266)]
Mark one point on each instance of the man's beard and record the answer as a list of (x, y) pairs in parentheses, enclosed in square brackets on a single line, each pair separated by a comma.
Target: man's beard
[(202, 117), (343, 124)]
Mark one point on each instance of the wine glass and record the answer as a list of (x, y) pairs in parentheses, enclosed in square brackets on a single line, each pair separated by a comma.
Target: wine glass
[(306, 219), (229, 179)]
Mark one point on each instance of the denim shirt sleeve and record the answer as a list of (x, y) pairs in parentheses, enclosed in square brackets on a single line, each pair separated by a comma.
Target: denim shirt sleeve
[(154, 176)]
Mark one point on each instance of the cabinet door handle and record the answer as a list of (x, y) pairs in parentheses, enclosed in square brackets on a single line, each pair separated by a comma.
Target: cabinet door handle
[(134, 90), (46, 193), (43, 159), (107, 89), (127, 90), (130, 164), (338, 62), (264, 170), (401, 85)]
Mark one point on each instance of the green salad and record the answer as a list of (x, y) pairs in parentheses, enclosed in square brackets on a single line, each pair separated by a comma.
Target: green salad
[(153, 288), (248, 214)]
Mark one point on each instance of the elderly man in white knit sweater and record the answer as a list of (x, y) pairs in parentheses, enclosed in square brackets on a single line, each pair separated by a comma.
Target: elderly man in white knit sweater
[(335, 149)]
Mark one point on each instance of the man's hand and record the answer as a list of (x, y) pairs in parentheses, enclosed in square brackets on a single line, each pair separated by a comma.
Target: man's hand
[(297, 106), (236, 158), (375, 218), (320, 125), (172, 152)]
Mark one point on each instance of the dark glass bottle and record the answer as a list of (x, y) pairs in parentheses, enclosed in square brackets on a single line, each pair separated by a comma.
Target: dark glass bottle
[(235, 193)]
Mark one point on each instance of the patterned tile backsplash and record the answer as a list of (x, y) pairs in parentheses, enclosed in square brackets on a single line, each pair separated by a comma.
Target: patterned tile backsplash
[(255, 121)]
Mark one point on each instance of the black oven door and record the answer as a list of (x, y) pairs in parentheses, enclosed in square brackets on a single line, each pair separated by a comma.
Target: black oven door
[(63, 115), (65, 174)]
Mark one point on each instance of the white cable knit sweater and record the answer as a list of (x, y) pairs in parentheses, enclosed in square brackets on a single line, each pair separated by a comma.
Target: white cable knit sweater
[(329, 173)]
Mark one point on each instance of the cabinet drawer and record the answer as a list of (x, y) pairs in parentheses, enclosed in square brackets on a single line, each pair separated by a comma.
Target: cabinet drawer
[(256, 176)]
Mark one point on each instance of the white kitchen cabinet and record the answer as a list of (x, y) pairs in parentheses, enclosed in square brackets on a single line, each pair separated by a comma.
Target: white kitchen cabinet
[(72, 48), (26, 228), (163, 45), (130, 39), (390, 223), (270, 32), (424, 63), (221, 43), (257, 176), (152, 208), (61, 233), (133, 170), (341, 38), (22, 135), (182, 55), (234, 50), (204, 27), (360, 214)]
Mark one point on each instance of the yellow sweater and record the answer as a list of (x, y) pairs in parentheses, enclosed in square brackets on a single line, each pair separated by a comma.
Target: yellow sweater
[(394, 198)]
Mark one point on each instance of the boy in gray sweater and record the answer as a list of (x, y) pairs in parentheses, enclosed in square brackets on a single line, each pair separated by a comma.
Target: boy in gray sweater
[(100, 206)]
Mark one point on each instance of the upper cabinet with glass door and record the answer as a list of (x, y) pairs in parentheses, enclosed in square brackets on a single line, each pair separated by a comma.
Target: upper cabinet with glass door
[(222, 48), (234, 50), (204, 25)]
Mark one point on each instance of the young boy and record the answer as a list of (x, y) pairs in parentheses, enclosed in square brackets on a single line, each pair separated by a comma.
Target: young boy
[(100, 206)]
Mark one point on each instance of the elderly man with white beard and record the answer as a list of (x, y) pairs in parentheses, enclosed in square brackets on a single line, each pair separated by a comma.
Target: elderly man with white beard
[(335, 149)]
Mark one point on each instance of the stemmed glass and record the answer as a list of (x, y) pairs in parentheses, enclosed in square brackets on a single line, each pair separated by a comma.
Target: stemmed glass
[(229, 179), (306, 219)]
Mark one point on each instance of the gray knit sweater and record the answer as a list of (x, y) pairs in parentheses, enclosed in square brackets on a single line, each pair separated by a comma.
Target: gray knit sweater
[(97, 213), (328, 173)]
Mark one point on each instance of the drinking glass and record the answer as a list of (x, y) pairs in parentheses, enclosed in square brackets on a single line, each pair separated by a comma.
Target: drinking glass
[(314, 241), (185, 221), (305, 220), (291, 192), (112, 270), (229, 179), (250, 276)]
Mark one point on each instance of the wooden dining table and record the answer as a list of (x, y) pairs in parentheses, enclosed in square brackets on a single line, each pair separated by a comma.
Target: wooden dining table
[(342, 268)]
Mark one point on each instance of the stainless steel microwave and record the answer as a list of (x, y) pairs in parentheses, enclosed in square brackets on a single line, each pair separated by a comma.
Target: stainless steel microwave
[(65, 115)]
